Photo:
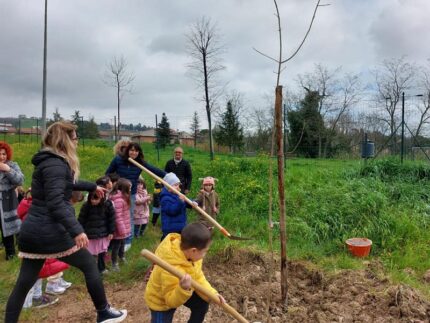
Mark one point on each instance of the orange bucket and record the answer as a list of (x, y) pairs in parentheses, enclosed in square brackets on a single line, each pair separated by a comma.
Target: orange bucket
[(359, 247)]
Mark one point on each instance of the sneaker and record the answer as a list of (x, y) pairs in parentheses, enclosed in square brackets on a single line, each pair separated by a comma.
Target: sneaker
[(63, 283), (44, 300), (127, 247), (104, 272), (115, 267), (123, 260), (54, 288), (111, 315)]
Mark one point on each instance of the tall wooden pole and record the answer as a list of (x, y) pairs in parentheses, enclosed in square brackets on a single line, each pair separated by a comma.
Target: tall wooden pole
[(43, 121), (281, 192)]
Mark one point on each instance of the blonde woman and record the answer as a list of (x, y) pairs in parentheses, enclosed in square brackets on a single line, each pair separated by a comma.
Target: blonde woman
[(51, 229)]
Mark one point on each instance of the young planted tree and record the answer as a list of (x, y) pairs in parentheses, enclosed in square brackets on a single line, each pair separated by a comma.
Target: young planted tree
[(118, 77), (163, 132), (204, 47), (229, 131), (195, 127), (280, 154)]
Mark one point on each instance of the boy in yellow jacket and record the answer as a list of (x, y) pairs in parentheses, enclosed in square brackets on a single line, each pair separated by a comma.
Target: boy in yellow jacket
[(165, 292)]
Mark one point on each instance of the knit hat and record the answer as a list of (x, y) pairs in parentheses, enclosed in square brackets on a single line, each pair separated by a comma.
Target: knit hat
[(209, 181), (171, 179)]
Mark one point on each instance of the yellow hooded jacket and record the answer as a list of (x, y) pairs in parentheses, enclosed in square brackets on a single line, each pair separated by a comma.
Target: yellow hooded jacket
[(163, 291)]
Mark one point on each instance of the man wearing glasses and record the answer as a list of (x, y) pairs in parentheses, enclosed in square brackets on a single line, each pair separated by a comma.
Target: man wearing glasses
[(181, 168)]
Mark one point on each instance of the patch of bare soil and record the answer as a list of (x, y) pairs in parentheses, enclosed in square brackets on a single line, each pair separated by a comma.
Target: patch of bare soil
[(242, 278)]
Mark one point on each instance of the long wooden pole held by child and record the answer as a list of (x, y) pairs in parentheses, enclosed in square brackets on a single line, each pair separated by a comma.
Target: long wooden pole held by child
[(186, 199), (174, 271)]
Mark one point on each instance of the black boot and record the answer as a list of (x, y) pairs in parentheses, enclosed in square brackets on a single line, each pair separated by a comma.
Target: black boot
[(111, 315)]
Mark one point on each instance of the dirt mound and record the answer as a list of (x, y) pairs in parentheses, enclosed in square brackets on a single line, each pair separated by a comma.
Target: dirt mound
[(243, 279)]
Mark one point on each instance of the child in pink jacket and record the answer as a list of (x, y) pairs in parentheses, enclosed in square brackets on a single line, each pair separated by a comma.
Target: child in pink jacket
[(120, 197), (141, 210)]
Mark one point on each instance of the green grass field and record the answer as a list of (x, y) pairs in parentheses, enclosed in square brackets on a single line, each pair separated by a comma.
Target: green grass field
[(327, 201)]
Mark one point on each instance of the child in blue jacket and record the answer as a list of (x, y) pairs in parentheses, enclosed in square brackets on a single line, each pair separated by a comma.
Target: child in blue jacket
[(173, 207)]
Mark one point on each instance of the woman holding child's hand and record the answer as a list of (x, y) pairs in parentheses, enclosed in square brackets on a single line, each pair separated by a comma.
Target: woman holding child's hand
[(51, 229)]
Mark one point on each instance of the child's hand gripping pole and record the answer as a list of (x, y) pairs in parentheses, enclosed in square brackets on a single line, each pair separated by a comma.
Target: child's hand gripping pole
[(196, 286), (193, 205)]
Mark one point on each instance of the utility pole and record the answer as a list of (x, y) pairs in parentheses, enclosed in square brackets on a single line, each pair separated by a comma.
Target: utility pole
[(156, 134), (43, 123), (19, 133), (115, 129), (403, 128)]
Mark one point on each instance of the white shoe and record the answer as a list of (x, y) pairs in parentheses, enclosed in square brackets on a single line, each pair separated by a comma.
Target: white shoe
[(54, 288), (127, 246), (63, 283)]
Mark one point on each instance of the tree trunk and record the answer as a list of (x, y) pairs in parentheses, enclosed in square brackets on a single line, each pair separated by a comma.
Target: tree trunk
[(118, 105), (281, 191), (208, 107)]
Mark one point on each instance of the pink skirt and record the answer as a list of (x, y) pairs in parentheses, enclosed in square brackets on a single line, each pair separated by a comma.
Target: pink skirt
[(96, 246)]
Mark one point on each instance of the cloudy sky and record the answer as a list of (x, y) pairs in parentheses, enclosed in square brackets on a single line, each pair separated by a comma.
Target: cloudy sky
[(84, 35)]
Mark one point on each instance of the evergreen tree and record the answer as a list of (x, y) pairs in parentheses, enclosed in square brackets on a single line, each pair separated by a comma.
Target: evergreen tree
[(78, 120), (163, 132), (90, 129), (306, 125), (229, 132), (195, 127), (55, 117)]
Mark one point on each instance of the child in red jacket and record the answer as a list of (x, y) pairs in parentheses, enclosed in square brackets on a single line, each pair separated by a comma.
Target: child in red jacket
[(52, 270)]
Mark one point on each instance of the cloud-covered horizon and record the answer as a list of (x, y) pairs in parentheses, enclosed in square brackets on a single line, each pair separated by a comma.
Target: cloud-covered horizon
[(84, 36)]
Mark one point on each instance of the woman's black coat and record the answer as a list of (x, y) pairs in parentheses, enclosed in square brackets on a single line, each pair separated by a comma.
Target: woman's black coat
[(51, 224)]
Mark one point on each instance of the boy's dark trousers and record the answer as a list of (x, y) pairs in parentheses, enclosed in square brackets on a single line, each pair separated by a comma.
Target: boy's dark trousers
[(195, 303), (155, 218), (139, 229)]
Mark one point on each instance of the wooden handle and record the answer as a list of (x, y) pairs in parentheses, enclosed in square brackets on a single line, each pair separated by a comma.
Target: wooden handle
[(195, 207), (196, 286)]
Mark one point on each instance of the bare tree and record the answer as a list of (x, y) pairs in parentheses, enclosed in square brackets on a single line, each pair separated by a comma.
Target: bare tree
[(324, 82), (195, 127), (348, 95), (203, 45), (260, 123), (118, 77), (395, 76), (424, 107)]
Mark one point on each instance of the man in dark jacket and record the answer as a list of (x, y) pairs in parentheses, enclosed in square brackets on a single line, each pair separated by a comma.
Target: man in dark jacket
[(181, 168)]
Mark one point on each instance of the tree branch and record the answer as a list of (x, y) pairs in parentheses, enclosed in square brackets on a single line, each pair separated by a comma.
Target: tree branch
[(307, 33)]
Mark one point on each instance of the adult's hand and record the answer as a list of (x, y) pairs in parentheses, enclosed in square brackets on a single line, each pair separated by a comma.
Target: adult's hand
[(100, 191), (4, 167), (81, 240)]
